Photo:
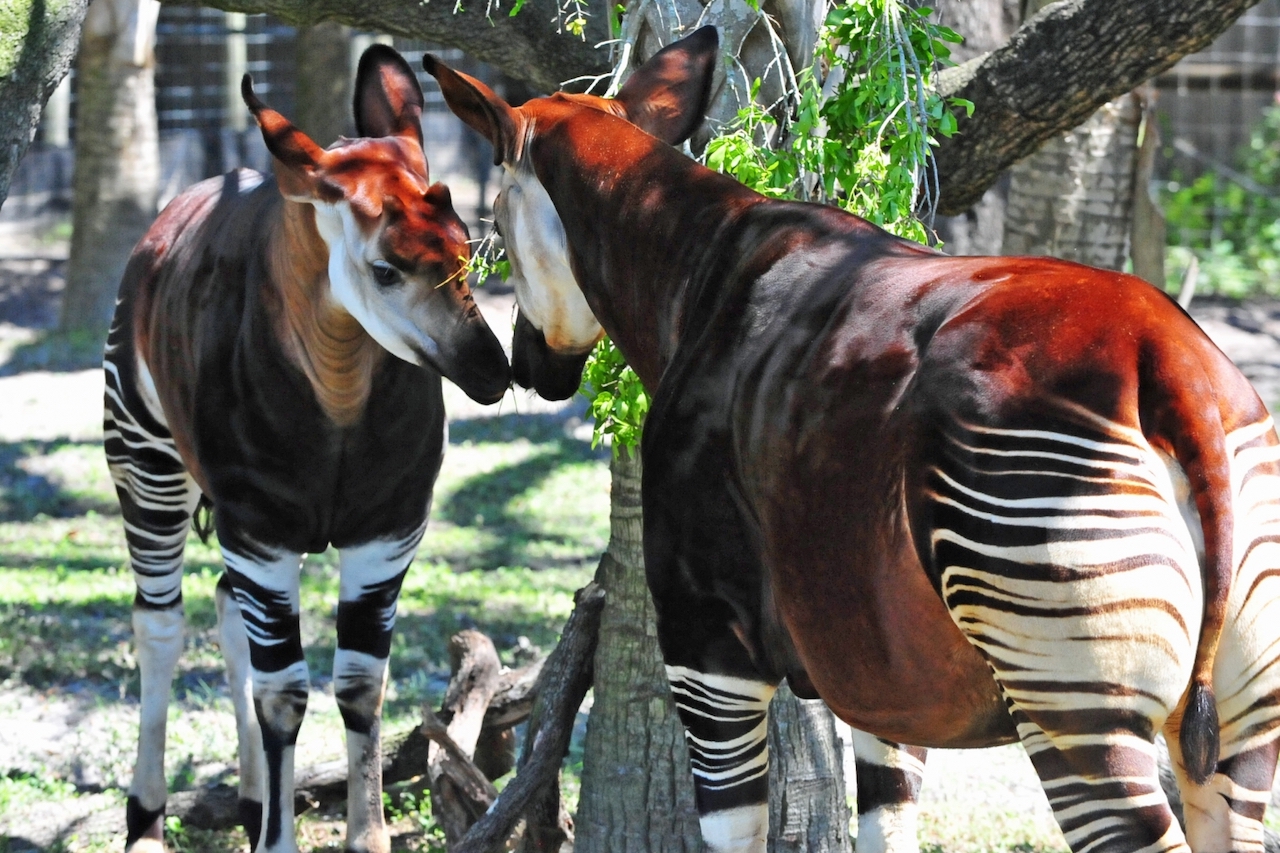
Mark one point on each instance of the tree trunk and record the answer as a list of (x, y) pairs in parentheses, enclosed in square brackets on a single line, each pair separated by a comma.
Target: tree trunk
[(117, 174), (323, 80), (985, 26), (808, 804), (637, 786), (1073, 198), (38, 40)]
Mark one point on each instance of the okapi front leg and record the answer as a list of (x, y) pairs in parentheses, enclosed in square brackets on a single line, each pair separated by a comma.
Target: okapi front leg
[(724, 705), (234, 640), (266, 589), (371, 576)]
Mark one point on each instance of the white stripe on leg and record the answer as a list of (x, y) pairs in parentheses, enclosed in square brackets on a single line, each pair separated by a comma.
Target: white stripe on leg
[(741, 830)]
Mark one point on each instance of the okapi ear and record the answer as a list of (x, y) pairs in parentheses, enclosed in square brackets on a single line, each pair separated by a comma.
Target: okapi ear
[(668, 95), (478, 107), (297, 157), (388, 100)]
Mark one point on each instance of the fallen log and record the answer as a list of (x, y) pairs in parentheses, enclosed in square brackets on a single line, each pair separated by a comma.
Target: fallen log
[(565, 679), (460, 793)]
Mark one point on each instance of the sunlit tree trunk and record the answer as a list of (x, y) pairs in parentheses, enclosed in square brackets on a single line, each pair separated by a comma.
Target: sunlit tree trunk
[(637, 787), (1073, 198), (117, 173)]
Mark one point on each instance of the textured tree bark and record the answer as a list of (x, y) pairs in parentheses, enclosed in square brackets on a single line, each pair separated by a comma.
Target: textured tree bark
[(117, 172), (531, 46), (38, 40), (1073, 198), (1051, 76), (637, 786), (534, 792), (1056, 71), (323, 92), (808, 806)]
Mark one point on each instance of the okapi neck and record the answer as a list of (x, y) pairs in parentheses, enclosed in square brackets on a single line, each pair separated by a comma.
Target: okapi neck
[(645, 226), (326, 343)]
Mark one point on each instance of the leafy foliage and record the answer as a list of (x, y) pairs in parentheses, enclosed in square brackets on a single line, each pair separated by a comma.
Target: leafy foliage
[(863, 147), (1229, 219)]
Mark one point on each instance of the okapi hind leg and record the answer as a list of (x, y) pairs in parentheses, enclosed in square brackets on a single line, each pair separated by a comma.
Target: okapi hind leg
[(1104, 789), (889, 778), (1226, 812), (157, 497)]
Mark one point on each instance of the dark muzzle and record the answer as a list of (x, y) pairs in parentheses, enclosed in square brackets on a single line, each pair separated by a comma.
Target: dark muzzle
[(553, 375)]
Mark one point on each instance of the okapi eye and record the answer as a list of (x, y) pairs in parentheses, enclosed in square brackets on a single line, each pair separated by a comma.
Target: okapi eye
[(385, 274)]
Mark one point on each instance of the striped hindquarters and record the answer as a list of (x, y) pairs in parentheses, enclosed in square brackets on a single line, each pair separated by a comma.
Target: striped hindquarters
[(157, 494), (1069, 559), (1247, 669)]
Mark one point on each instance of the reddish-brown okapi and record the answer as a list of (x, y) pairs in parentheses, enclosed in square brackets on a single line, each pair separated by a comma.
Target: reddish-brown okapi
[(277, 348), (963, 500)]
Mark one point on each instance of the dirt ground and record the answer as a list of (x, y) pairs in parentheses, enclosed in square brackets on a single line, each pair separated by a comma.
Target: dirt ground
[(47, 404)]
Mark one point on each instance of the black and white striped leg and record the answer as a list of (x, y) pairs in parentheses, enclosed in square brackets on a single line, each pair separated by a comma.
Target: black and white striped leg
[(265, 583), (1103, 788), (889, 778), (726, 721), (370, 579), (157, 497), (235, 652)]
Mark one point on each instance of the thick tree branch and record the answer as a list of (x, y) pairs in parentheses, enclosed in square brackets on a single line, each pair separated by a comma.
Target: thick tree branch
[(1056, 70), (529, 46)]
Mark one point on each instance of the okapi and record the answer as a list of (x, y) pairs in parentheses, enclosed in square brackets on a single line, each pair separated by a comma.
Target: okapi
[(963, 500), (277, 351)]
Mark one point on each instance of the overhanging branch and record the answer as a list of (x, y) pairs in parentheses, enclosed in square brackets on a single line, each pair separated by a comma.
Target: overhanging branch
[(528, 47), (1056, 70)]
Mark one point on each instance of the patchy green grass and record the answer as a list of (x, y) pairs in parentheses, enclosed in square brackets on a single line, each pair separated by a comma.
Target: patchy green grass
[(519, 520)]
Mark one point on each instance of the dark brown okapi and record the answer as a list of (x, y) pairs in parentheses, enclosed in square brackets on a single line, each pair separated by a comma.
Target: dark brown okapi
[(277, 349), (963, 500)]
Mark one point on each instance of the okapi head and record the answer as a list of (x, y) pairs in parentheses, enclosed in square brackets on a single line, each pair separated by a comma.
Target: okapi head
[(397, 251), (666, 97)]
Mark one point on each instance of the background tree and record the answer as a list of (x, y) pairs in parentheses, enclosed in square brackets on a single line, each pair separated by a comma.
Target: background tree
[(323, 95), (38, 40), (1045, 81), (1073, 197), (117, 150)]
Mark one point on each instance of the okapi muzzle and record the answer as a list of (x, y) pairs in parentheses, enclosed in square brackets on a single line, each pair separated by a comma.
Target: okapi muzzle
[(553, 375)]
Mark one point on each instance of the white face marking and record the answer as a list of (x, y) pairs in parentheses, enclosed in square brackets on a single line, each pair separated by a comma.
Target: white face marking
[(386, 313), (547, 292)]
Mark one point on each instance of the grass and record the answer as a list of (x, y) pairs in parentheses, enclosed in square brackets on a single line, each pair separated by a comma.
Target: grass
[(519, 520)]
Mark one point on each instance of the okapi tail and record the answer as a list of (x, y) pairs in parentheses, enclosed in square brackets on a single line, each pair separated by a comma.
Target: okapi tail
[(202, 519), (1190, 419)]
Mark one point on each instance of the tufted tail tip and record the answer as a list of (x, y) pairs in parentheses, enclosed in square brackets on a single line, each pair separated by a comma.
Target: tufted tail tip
[(1198, 736)]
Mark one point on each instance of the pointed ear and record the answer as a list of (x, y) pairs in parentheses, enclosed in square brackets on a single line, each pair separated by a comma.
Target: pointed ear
[(298, 159), (668, 95), (478, 107), (388, 100)]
